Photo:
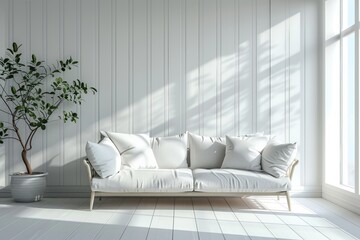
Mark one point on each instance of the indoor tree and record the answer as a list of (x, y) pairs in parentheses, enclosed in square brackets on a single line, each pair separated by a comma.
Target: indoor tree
[(30, 93)]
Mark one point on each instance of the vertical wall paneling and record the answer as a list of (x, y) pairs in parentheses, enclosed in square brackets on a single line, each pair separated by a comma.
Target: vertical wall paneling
[(166, 66), (296, 76), (4, 148), (218, 67), (212, 67), (140, 89), (53, 157), (311, 89), (278, 68), (263, 66), (287, 70), (88, 70), (105, 53), (158, 68), (149, 63), (176, 66), (131, 65), (61, 109), (245, 46), (70, 129), (36, 47), (78, 57), (122, 66), (44, 53), (227, 66), (19, 35), (254, 65), (192, 66), (113, 65), (208, 63), (201, 66), (236, 69)]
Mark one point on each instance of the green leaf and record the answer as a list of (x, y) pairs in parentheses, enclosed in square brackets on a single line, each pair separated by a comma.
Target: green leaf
[(10, 50), (13, 89), (43, 127), (15, 47)]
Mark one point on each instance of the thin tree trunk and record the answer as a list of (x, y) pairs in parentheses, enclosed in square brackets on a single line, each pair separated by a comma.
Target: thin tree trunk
[(26, 161)]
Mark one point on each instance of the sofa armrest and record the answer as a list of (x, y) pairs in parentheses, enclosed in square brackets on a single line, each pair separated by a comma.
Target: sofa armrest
[(90, 169), (291, 168)]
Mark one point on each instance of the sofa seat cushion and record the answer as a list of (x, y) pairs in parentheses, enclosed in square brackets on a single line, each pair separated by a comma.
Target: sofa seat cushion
[(146, 180), (233, 180)]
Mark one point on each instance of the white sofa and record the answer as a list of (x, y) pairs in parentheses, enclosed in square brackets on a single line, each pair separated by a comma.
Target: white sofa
[(188, 181)]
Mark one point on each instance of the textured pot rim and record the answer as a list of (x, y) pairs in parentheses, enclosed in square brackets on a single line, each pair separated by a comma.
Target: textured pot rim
[(25, 175)]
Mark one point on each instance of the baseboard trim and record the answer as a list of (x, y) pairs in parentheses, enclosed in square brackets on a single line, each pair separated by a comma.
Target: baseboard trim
[(341, 197)]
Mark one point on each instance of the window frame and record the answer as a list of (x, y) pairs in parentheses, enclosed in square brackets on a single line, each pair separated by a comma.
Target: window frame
[(339, 37)]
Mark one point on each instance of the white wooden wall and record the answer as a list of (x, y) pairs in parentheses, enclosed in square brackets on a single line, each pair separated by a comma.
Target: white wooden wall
[(213, 67)]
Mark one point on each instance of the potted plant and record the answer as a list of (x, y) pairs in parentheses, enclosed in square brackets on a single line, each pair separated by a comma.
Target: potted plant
[(30, 93)]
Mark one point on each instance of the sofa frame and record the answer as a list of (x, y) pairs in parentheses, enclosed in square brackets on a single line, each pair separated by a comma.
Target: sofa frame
[(92, 173)]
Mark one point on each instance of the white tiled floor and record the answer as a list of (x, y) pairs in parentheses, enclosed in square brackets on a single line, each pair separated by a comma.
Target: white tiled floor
[(177, 218)]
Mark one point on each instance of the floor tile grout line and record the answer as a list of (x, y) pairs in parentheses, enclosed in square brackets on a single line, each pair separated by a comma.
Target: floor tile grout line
[(197, 229), (83, 203), (79, 224), (132, 215), (332, 212), (104, 224), (304, 210), (336, 226), (275, 214), (297, 214), (152, 217), (23, 230), (238, 218), (285, 207), (173, 223), (67, 213), (217, 221), (290, 226)]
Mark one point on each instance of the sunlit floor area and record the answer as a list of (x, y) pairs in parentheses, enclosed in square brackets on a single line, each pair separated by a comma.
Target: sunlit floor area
[(177, 218)]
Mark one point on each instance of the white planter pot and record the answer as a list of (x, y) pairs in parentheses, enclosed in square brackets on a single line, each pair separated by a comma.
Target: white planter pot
[(28, 188)]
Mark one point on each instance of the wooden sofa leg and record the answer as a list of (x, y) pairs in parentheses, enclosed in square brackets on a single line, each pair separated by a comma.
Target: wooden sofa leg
[(288, 200), (92, 197)]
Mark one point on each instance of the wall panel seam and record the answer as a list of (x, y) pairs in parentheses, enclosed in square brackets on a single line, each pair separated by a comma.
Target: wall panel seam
[(254, 66), (149, 65), (304, 147), (270, 68), (61, 123)]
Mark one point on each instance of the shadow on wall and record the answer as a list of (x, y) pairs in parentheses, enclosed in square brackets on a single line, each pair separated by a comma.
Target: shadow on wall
[(227, 94)]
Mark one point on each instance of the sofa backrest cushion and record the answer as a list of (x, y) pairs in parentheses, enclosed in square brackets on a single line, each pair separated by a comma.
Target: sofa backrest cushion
[(277, 157), (206, 152), (134, 149), (170, 152), (244, 152), (104, 157)]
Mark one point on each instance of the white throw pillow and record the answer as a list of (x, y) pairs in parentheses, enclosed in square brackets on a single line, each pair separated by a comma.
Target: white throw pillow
[(104, 157), (135, 150), (277, 157), (244, 152), (170, 152), (206, 152)]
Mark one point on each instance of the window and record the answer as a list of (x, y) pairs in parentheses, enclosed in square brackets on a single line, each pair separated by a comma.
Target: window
[(341, 93)]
